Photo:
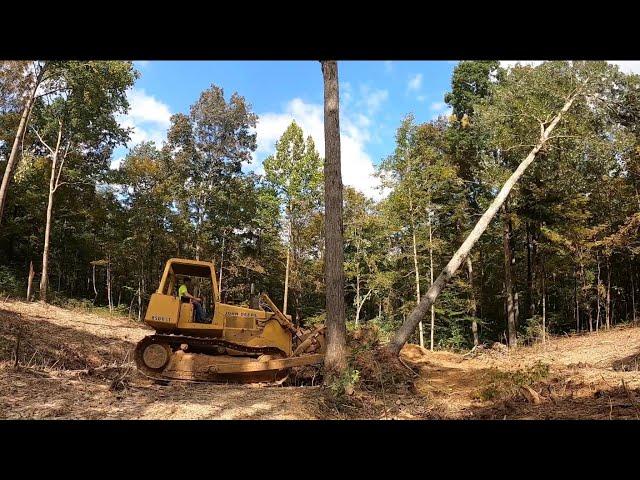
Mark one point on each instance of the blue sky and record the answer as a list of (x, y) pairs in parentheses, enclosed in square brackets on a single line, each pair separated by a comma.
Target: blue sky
[(375, 96)]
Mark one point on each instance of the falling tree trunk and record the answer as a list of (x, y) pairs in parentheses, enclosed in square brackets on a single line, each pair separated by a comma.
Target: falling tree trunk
[(404, 332), (30, 281), (336, 354), (13, 156), (473, 306), (508, 286)]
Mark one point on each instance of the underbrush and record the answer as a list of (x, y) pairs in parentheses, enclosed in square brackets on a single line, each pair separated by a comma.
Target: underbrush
[(501, 385)]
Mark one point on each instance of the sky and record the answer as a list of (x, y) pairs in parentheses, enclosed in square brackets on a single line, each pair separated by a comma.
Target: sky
[(374, 97)]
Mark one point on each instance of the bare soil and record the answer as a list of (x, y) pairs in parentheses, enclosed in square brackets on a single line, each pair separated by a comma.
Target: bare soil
[(74, 364)]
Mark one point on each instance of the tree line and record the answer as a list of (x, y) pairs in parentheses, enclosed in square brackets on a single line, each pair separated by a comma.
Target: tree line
[(514, 217)]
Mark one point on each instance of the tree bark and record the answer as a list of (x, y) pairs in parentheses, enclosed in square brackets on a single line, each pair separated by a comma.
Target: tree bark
[(404, 332), (22, 127), (336, 354), (508, 286)]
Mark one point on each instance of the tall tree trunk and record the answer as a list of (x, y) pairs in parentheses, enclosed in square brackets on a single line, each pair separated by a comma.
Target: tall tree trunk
[(415, 266), (109, 285), (433, 310), (22, 127), (30, 281), (608, 305), (530, 272), (44, 279), (508, 285), (336, 354), (286, 283), (404, 332), (575, 292), (544, 306), (598, 298), (633, 292), (95, 290), (473, 306)]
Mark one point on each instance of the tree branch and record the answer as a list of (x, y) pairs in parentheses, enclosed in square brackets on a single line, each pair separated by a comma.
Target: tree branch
[(42, 141)]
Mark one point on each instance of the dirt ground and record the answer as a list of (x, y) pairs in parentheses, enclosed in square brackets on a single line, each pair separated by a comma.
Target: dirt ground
[(73, 364)]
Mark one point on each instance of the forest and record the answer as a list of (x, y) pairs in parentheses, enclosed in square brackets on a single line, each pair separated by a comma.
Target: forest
[(559, 257)]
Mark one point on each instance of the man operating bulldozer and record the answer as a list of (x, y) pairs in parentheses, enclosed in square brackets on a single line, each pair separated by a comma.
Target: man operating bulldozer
[(183, 291)]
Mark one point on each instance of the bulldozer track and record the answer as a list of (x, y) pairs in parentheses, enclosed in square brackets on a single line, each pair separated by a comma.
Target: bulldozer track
[(175, 341)]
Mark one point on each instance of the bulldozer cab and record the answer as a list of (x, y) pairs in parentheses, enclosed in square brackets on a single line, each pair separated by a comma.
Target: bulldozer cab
[(167, 309)]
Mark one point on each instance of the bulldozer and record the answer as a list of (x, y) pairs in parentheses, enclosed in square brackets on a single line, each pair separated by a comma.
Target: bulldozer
[(233, 343)]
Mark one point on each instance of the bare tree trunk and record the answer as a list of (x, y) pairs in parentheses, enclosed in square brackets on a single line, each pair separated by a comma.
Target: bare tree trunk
[(44, 279), (336, 354), (473, 307), (109, 285), (544, 307), (433, 310), (575, 291), (598, 299), (608, 305), (286, 283), (22, 127), (633, 292), (95, 290), (404, 332), (30, 281), (417, 271), (508, 286)]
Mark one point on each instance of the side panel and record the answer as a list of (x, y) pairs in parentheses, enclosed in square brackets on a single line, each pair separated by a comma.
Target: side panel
[(162, 312)]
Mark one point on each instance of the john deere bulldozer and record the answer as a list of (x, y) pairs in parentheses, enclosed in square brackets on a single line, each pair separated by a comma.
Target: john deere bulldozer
[(232, 343)]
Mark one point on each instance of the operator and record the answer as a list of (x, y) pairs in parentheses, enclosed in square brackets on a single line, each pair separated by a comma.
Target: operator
[(183, 291)]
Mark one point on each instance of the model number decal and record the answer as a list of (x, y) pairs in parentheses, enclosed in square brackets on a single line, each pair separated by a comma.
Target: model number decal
[(158, 318), (241, 314)]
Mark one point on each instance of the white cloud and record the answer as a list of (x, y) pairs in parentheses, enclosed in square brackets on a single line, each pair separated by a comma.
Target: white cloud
[(421, 98), (357, 167), (388, 66), (627, 66), (415, 82), (372, 99), (148, 117), (438, 106)]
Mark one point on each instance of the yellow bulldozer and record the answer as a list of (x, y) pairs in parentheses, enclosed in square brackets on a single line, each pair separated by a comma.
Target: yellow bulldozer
[(231, 343)]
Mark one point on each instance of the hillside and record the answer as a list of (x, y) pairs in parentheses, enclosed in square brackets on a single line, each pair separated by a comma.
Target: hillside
[(74, 364)]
